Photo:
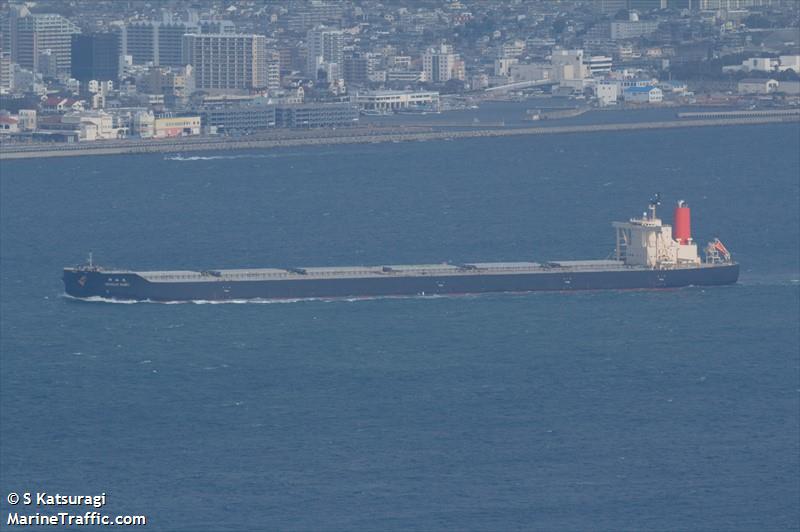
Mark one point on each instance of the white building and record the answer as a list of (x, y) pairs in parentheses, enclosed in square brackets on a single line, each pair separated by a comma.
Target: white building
[(395, 100), (92, 125), (767, 64), (643, 95), (598, 64), (144, 124), (176, 126), (442, 64), (757, 86), (624, 30), (607, 93), (325, 45), (8, 125), (27, 119), (786, 62), (511, 49)]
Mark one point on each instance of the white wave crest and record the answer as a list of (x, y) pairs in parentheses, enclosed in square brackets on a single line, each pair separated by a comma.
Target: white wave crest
[(264, 301), (273, 155)]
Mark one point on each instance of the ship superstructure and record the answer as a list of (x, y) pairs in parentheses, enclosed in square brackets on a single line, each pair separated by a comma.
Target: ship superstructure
[(648, 254), (647, 241)]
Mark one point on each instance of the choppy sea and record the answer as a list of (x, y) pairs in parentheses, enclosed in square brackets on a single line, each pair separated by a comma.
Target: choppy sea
[(618, 410)]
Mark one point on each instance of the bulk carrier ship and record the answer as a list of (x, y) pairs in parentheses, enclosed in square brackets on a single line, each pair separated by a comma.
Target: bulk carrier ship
[(648, 254)]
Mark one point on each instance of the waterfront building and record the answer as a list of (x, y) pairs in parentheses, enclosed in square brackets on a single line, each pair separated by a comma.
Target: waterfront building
[(397, 100), (568, 68), (757, 86), (307, 116), (237, 118), (143, 124), (92, 125), (57, 104), (95, 56), (37, 33), (325, 45), (224, 62), (176, 126), (607, 93), (8, 125), (789, 87), (27, 119), (643, 95)]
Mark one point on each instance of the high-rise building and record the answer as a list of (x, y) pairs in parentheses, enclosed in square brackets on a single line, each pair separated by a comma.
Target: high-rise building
[(159, 43), (170, 40), (37, 33), (139, 41), (273, 71), (224, 62), (356, 69), (6, 73), (96, 56), (325, 45), (441, 64)]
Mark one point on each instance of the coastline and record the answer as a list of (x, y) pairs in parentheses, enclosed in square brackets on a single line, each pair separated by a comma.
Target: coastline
[(328, 137)]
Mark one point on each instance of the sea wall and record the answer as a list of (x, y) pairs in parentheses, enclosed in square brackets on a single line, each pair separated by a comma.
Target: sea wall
[(354, 137)]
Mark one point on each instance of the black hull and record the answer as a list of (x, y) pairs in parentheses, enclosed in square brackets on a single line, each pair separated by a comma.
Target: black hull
[(116, 285)]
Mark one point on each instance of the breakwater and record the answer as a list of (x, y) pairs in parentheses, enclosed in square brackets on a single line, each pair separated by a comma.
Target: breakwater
[(750, 113), (356, 136)]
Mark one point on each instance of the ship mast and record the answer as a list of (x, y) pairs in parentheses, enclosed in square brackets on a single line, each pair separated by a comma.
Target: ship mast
[(655, 201)]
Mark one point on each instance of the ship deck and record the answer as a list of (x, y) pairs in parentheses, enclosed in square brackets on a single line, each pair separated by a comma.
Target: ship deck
[(402, 270)]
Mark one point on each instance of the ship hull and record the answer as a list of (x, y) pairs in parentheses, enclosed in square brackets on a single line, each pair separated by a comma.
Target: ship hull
[(129, 286)]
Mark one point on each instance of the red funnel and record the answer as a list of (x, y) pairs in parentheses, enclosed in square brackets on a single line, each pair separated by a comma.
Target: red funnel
[(682, 230)]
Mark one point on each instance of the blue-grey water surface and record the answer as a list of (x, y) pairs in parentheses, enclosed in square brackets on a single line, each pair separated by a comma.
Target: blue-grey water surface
[(619, 410)]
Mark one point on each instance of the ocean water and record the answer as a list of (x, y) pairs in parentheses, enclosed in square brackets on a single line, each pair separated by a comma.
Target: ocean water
[(619, 410)]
